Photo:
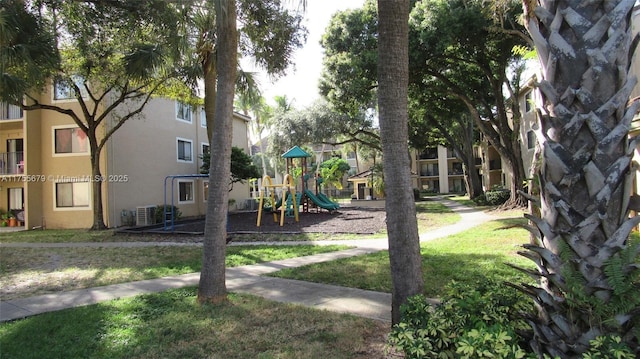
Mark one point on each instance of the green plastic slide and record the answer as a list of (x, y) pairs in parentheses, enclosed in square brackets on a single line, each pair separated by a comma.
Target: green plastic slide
[(331, 206)]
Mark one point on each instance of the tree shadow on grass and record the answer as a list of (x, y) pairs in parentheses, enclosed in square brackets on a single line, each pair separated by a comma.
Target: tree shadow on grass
[(173, 325), (439, 270), (372, 272)]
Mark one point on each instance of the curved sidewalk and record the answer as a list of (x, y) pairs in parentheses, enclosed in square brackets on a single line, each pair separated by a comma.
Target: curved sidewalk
[(251, 279)]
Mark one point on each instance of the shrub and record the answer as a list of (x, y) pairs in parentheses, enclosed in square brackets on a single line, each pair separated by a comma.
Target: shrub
[(608, 347), (479, 321), (497, 196), (470, 322), (416, 194), (160, 213), (480, 200)]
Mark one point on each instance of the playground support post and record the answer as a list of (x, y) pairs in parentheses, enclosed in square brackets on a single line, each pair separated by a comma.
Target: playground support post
[(287, 187)]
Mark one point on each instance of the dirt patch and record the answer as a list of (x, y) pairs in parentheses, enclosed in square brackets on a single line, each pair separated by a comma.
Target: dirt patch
[(344, 220)]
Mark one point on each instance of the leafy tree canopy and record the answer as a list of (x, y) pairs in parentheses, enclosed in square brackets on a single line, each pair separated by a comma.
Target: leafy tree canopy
[(119, 45), (332, 171), (270, 34), (242, 166), (321, 123), (349, 82), (28, 54)]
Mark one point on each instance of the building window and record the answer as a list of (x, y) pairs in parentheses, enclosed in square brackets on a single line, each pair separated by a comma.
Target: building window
[(203, 118), (456, 168), (10, 112), (69, 140), (531, 140), (185, 191), (72, 195), (204, 150), (457, 186), (185, 150), (183, 112), (63, 89), (16, 198), (528, 101), (205, 191)]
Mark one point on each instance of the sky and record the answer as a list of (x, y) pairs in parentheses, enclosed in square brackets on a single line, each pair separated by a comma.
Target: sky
[(300, 84)]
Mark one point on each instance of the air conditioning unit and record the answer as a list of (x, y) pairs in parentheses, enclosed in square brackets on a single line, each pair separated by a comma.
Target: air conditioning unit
[(145, 215)]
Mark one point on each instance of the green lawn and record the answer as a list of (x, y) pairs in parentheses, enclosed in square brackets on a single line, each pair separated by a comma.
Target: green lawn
[(63, 236), (171, 325), (470, 256), (31, 271), (431, 214)]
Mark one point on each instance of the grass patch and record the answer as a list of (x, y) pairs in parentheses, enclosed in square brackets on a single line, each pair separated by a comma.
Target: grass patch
[(171, 325), (464, 200), (31, 271), (470, 256), (64, 236), (431, 215), (300, 237)]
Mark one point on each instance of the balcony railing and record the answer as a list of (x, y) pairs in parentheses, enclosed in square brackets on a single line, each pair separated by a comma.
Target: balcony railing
[(428, 154), (429, 173), (9, 112), (11, 163)]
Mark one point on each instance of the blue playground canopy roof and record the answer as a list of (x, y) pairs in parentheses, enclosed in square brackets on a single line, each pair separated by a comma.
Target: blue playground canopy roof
[(295, 152)]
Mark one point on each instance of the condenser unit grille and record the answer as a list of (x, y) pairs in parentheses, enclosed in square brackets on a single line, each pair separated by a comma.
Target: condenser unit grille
[(145, 215)]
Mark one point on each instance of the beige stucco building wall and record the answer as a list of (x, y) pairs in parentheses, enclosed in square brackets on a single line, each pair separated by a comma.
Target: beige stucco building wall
[(145, 151), (42, 169), (134, 164)]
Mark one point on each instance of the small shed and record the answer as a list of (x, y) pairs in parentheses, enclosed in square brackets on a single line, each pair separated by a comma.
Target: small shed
[(362, 186)]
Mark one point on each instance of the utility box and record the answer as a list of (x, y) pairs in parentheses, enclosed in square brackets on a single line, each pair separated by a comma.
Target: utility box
[(145, 215)]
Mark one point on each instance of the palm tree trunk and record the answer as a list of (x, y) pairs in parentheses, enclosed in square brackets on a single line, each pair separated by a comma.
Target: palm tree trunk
[(586, 159), (393, 79), (212, 288)]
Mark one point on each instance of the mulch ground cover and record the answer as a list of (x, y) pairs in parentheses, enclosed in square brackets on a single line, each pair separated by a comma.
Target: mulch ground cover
[(344, 220)]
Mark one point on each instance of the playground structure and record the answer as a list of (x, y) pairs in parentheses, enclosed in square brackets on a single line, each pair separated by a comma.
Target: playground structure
[(290, 200)]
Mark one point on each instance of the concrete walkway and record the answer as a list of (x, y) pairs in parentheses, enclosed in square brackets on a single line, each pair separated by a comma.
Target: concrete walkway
[(247, 279)]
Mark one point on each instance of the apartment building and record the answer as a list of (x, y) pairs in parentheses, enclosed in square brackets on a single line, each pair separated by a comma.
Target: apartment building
[(438, 170), (45, 163)]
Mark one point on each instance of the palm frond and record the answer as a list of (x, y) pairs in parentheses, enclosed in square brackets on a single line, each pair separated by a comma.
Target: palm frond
[(143, 60)]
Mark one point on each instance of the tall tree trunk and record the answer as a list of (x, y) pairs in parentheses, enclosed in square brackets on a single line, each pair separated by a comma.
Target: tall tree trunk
[(586, 270), (472, 178), (212, 288), (96, 183), (210, 82), (505, 142), (518, 178), (259, 130), (355, 151), (464, 150), (393, 78)]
